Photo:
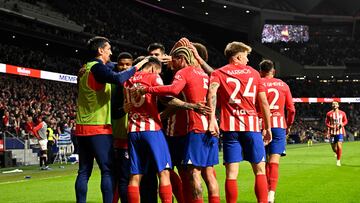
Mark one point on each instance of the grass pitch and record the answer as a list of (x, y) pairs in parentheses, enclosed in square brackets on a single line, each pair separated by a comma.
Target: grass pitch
[(307, 174)]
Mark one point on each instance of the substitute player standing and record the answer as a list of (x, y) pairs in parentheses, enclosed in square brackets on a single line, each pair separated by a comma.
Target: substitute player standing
[(237, 88), (279, 97), (335, 122)]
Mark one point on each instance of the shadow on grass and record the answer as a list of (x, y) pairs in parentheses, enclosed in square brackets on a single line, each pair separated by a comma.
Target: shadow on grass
[(350, 165)]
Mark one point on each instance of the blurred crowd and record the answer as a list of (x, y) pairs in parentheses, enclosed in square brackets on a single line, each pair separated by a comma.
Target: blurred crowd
[(32, 58), (285, 33), (315, 88), (23, 100), (321, 51)]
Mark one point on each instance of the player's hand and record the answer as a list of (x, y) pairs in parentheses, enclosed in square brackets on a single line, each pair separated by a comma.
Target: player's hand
[(165, 59), (214, 127), (183, 42), (135, 93), (202, 109), (196, 53), (128, 107), (288, 130), (139, 91), (267, 136), (142, 62)]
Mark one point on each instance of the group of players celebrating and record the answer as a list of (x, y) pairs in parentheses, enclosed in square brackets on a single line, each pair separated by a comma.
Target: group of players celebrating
[(244, 106)]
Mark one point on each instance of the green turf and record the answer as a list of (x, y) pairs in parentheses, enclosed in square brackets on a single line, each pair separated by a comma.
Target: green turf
[(307, 174)]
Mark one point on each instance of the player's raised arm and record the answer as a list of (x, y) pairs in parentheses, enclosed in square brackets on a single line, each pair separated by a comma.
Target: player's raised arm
[(195, 48)]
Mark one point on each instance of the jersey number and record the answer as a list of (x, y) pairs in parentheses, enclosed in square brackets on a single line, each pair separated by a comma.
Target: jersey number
[(137, 103), (276, 98), (247, 93)]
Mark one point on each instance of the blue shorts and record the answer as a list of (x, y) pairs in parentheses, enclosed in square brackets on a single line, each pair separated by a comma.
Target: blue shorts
[(145, 147), (201, 150), (278, 143), (336, 138), (240, 146), (177, 148)]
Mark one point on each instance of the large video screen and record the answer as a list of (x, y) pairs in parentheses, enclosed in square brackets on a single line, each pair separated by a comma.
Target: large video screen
[(273, 33)]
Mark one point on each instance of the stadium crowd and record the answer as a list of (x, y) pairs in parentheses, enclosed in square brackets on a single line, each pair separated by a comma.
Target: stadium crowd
[(24, 99), (319, 51), (37, 59)]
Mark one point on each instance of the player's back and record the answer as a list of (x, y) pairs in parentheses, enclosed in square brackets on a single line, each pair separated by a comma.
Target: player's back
[(237, 93), (144, 115), (195, 91), (279, 96)]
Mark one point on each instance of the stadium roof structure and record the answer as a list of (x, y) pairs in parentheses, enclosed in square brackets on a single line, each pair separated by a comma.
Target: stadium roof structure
[(237, 14)]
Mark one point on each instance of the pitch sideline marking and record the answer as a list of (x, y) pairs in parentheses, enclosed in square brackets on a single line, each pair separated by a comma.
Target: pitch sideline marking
[(19, 181)]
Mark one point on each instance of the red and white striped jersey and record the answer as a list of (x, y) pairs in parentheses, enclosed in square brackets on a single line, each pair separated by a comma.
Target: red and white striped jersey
[(335, 122), (193, 83), (279, 97), (177, 124), (144, 116), (236, 97)]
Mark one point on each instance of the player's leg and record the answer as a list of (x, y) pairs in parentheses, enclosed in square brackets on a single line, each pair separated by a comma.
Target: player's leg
[(137, 154), (232, 156), (339, 140), (86, 159), (103, 150), (43, 154), (254, 152), (149, 184), (261, 188), (176, 148), (122, 171), (231, 188), (195, 184), (177, 188), (160, 151), (209, 172), (275, 149), (212, 185), (273, 175), (333, 143), (133, 191), (195, 156), (185, 178)]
